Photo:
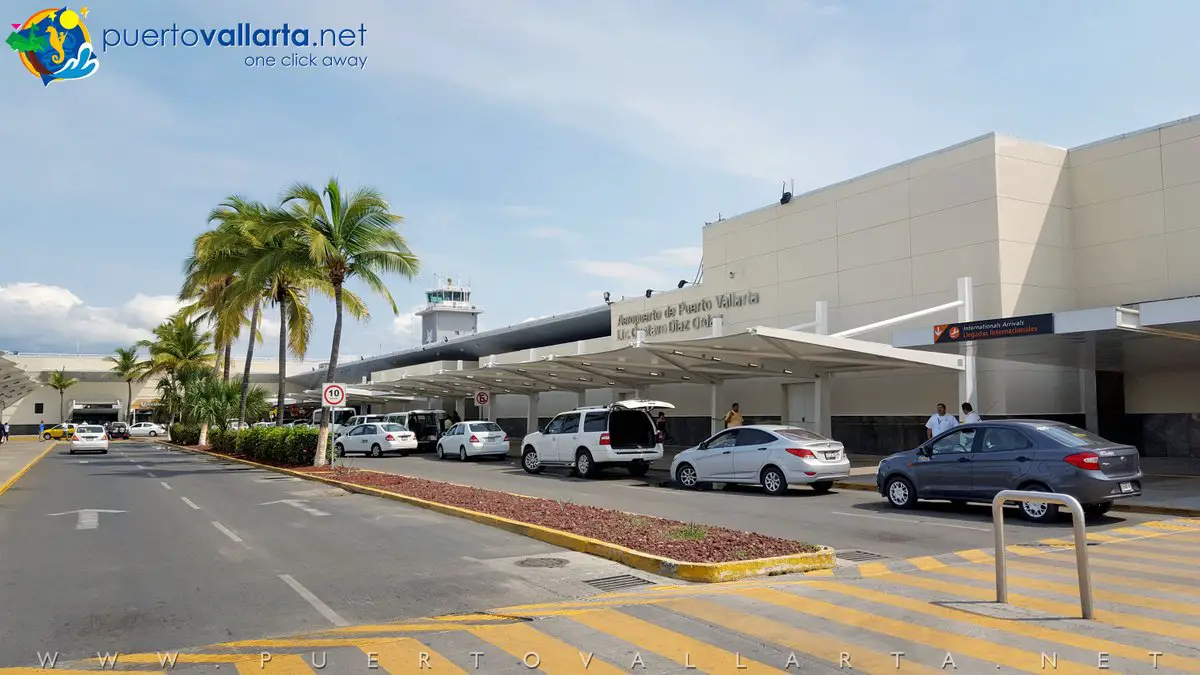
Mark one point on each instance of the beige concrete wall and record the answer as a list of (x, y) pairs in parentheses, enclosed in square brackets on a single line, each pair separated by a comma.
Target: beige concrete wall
[(1162, 392)]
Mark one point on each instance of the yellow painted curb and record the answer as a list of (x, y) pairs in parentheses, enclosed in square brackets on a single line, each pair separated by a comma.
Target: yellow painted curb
[(842, 485), (1157, 510), (666, 567), (17, 476)]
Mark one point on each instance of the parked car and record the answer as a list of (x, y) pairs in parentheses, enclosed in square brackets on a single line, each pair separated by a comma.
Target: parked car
[(974, 462), (477, 438), (91, 438), (770, 455), (360, 419), (151, 429), (593, 438), (338, 417), (63, 431), (376, 439), (260, 425), (427, 425), (117, 430)]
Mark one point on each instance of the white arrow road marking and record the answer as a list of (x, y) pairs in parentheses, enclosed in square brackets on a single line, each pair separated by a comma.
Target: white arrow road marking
[(298, 503), (89, 519), (313, 600)]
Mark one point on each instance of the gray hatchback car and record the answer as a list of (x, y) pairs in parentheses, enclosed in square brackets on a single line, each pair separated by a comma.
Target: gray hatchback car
[(974, 462)]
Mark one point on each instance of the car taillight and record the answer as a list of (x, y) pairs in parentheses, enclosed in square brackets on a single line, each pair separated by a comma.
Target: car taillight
[(74, 438), (390, 437), (605, 439), (505, 440), (658, 438), (1088, 461), (474, 438), (802, 452)]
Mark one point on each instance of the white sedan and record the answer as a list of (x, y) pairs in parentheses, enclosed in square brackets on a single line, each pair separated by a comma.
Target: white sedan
[(376, 439), (147, 429), (90, 438), (473, 439), (769, 455)]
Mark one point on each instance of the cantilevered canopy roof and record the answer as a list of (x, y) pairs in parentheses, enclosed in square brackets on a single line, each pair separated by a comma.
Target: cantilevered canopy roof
[(758, 352), (468, 381), (15, 383)]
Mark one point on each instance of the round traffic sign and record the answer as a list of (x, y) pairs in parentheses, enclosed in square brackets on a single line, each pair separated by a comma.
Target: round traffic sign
[(482, 398), (333, 395)]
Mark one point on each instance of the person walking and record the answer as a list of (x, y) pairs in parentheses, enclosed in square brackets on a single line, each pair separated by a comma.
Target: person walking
[(733, 418), (6, 431), (41, 431), (969, 415), (661, 425), (939, 422)]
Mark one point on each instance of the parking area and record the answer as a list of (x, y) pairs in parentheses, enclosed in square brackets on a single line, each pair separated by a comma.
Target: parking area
[(859, 524)]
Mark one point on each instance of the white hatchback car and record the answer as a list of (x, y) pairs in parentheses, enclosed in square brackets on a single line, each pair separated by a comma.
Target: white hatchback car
[(376, 439), (89, 438), (147, 429), (473, 439), (769, 455)]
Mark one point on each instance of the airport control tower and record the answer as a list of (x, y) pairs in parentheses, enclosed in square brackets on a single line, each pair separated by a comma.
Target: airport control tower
[(448, 313)]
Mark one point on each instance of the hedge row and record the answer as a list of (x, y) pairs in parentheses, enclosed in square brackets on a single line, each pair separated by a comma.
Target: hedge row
[(277, 445)]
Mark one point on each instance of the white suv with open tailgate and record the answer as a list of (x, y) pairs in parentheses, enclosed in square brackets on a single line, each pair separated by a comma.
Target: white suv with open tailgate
[(593, 438)]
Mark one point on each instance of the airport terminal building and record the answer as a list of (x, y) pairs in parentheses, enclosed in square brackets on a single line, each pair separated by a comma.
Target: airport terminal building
[(1028, 279)]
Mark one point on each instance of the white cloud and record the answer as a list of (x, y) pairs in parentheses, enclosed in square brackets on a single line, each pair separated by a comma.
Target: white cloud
[(551, 233), (524, 212), (660, 272), (42, 317), (407, 327)]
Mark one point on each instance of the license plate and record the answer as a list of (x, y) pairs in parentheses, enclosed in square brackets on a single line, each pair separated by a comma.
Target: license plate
[(1126, 487), (831, 455)]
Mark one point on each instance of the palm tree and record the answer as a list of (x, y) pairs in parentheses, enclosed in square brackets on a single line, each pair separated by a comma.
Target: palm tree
[(60, 381), (352, 237), (128, 367), (214, 402), (178, 353)]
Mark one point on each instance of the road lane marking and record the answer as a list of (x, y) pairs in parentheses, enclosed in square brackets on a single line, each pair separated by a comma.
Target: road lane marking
[(227, 532), (301, 504), (912, 520), (164, 484), (313, 600), (151, 475), (190, 503), (140, 467), (89, 519)]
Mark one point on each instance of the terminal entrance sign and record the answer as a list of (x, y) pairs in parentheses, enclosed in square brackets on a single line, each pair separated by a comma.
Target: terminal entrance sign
[(333, 395), (991, 329), (482, 398)]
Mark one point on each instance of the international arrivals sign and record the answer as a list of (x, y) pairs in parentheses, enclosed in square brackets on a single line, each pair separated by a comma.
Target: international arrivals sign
[(991, 329)]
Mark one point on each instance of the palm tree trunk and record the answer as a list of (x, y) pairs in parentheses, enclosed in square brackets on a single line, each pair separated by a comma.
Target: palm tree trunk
[(228, 358), (62, 406), (283, 335), (249, 355), (129, 402), (323, 437)]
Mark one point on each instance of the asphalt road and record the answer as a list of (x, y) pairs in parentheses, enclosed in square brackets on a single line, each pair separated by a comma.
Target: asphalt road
[(185, 553), (844, 519)]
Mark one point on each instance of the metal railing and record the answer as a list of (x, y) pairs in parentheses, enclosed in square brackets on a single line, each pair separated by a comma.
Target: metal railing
[(1081, 553)]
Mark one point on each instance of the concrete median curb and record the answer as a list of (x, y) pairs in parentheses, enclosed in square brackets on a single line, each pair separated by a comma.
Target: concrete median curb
[(863, 487), (4, 487), (674, 569)]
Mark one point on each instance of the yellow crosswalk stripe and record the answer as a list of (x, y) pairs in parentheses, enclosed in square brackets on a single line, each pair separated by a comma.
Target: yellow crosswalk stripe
[(926, 562), (1024, 629), (873, 569), (1121, 619), (677, 647), (1027, 582), (406, 656), (1101, 561), (539, 651), (963, 645), (283, 664), (39, 671), (1148, 555), (1170, 525), (805, 640), (1168, 544), (974, 555), (1047, 567)]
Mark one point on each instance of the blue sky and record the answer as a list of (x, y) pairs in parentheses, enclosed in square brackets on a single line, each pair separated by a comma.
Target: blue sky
[(545, 150)]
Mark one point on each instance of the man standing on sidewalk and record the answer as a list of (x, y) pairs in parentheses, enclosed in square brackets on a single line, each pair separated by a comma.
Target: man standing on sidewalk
[(939, 422), (41, 430), (733, 418), (969, 415), (6, 431)]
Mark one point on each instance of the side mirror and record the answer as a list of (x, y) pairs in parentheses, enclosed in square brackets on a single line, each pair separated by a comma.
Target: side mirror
[(925, 451)]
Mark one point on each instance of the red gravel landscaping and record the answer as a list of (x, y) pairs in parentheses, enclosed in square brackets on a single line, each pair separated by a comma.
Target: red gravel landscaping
[(685, 542)]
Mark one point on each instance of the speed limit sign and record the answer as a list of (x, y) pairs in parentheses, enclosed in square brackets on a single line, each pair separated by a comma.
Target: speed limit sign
[(482, 398), (333, 395)]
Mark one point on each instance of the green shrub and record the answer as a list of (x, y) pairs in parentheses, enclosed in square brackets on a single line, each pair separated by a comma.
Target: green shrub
[(222, 441), (276, 445), (185, 434)]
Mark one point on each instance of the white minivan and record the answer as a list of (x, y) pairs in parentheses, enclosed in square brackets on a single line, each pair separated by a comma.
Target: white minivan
[(593, 438)]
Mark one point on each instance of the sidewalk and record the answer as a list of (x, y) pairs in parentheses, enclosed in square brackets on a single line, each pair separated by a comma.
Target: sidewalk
[(15, 456)]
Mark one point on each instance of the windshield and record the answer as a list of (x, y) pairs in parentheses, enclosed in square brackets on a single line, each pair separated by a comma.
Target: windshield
[(800, 435), (1072, 437), (488, 426), (91, 430)]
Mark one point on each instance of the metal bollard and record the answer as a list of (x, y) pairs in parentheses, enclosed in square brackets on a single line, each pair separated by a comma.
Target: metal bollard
[(1080, 532)]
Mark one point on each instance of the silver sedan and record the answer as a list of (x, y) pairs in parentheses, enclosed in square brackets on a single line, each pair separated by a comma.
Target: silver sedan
[(769, 455)]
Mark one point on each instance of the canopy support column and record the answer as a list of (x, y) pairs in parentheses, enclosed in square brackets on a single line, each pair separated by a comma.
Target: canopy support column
[(531, 413), (823, 404), (714, 391), (1087, 386), (967, 381)]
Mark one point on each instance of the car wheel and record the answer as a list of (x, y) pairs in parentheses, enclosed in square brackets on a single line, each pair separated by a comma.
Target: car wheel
[(686, 477), (1038, 512), (822, 486), (462, 454), (153, 434), (585, 465), (530, 461), (46, 437), (71, 451), (104, 452), (341, 452), (440, 454), (900, 493), (639, 469), (1096, 510), (773, 481), (376, 451)]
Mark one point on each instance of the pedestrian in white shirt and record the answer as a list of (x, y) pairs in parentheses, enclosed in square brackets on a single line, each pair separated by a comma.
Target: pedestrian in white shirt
[(969, 414), (940, 422)]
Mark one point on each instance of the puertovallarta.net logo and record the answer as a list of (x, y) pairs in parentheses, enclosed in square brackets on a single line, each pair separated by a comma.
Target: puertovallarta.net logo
[(54, 45)]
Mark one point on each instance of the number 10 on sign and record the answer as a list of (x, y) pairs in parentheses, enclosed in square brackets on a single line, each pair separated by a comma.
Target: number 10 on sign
[(333, 395)]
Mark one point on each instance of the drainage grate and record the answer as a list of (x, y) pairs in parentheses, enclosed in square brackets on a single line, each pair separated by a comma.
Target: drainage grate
[(618, 582), (859, 556), (542, 562)]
